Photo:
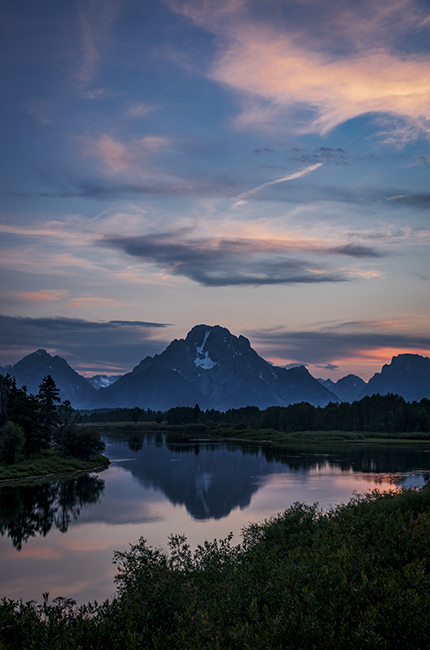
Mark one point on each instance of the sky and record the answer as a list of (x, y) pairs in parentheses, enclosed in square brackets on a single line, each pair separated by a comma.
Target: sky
[(262, 165)]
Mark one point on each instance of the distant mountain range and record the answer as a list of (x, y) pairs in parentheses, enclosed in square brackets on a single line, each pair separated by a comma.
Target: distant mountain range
[(215, 369)]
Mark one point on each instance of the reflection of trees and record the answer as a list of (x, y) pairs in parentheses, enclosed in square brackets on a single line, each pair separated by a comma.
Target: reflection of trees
[(28, 510), (135, 443), (212, 477), (373, 459)]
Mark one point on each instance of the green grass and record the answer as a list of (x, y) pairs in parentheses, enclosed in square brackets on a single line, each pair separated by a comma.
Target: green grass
[(49, 462)]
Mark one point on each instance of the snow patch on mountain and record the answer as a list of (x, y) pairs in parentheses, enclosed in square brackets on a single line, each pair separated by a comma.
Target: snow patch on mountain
[(203, 359), (201, 347), (206, 362)]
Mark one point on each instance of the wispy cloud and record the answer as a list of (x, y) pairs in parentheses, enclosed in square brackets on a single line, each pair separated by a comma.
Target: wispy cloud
[(218, 262), (290, 177), (96, 18), (316, 72), (39, 110), (139, 109), (124, 157), (34, 297)]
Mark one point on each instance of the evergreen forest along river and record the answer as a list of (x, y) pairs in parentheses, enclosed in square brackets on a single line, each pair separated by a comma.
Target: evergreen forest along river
[(59, 536)]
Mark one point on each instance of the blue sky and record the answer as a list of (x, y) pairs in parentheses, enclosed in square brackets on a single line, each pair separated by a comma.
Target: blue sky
[(262, 165)]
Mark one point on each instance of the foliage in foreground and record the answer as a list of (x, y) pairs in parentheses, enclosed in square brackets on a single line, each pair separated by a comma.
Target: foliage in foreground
[(355, 577)]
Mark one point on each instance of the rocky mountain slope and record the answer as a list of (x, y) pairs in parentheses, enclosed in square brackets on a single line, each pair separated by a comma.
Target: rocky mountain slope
[(33, 368), (214, 369), (407, 375), (347, 389)]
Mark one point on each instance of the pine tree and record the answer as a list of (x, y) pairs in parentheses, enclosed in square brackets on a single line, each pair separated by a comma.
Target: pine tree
[(49, 397)]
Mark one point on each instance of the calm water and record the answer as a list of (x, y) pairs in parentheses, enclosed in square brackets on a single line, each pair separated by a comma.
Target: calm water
[(60, 536)]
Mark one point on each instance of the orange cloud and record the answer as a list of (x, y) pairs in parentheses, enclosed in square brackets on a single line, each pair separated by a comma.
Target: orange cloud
[(45, 295), (316, 72), (82, 302), (272, 68)]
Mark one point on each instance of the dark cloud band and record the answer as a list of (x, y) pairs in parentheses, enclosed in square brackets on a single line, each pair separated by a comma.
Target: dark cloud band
[(321, 347), (84, 344), (221, 263)]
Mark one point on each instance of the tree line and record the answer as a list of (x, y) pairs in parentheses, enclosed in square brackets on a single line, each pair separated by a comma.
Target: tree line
[(31, 423), (377, 413)]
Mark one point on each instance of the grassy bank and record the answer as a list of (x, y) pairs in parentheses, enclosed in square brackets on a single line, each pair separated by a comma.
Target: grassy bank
[(49, 462), (202, 431), (355, 577)]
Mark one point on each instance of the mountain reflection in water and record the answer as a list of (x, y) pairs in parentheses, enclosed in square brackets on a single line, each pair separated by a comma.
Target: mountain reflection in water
[(213, 478), (28, 510)]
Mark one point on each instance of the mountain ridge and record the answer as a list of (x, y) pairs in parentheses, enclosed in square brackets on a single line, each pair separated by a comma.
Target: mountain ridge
[(215, 369)]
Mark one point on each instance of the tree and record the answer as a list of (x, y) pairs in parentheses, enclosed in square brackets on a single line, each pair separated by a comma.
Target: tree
[(49, 397), (6, 386), (80, 443), (136, 414), (67, 415), (11, 442)]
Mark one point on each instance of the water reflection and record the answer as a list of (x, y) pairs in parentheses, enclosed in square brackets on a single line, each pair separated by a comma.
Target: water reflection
[(157, 486), (28, 510), (212, 479)]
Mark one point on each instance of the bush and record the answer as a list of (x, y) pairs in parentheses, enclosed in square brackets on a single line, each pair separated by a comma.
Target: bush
[(355, 577), (12, 441), (81, 443)]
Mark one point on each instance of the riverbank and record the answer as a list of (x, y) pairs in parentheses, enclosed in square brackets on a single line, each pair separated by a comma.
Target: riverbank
[(49, 463), (190, 432)]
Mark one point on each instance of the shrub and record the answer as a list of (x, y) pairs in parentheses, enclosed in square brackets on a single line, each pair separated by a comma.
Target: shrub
[(12, 441), (81, 443)]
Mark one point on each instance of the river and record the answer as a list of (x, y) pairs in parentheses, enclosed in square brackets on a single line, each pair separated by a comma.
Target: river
[(59, 536)]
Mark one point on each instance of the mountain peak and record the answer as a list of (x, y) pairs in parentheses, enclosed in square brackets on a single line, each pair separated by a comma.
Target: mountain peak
[(216, 369), (407, 375), (31, 370)]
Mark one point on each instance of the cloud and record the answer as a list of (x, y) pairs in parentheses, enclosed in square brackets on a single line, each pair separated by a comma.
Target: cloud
[(412, 200), (109, 346), (39, 110), (217, 262), (124, 157), (95, 18), (339, 341), (139, 109), (290, 177), (44, 295), (329, 366), (321, 64), (326, 155)]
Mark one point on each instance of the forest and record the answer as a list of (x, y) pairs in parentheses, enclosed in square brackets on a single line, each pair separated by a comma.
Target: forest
[(376, 413), (37, 427)]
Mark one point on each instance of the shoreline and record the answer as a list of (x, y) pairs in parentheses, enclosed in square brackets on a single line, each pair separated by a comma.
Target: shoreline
[(97, 466)]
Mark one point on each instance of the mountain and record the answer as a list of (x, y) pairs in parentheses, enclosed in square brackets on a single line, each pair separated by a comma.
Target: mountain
[(215, 369), (347, 389), (407, 375), (33, 368), (102, 381)]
